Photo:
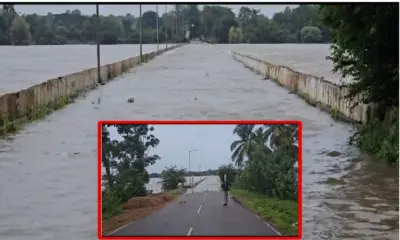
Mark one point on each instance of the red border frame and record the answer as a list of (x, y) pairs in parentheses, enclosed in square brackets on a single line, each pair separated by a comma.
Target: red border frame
[(202, 122)]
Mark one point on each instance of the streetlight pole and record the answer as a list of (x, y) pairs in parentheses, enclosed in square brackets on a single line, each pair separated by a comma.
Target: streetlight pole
[(140, 32), (158, 47), (98, 43), (177, 23), (190, 177)]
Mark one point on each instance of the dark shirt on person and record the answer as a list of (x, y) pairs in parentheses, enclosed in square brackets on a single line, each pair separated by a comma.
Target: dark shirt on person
[(226, 186)]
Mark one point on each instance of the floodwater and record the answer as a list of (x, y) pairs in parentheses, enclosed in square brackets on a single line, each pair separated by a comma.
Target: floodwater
[(48, 170), (304, 58), (23, 67), (155, 183)]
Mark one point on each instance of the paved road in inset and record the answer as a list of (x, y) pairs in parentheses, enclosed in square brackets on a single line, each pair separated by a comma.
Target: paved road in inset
[(201, 215)]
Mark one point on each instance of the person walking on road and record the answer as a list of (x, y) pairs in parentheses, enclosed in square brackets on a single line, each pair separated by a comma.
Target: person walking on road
[(225, 187), (181, 190)]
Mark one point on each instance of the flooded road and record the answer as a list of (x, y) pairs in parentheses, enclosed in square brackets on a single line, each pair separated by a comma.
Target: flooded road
[(24, 66), (48, 170), (155, 183)]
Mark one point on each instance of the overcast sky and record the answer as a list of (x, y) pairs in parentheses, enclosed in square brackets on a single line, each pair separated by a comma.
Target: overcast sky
[(42, 9), (212, 141)]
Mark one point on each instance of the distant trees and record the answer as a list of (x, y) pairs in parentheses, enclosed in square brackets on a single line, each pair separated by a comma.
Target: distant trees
[(215, 23)]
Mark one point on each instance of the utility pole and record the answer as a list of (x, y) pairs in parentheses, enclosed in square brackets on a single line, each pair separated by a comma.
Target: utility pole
[(177, 23), (166, 28), (98, 43), (140, 32), (190, 177), (158, 46)]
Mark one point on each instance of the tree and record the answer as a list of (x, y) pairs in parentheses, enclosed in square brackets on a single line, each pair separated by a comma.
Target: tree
[(20, 34), (243, 147), (125, 161), (269, 171), (229, 171), (310, 34), (283, 137), (171, 176), (193, 19), (366, 47)]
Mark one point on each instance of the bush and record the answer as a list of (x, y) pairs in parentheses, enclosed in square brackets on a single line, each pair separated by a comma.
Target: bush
[(380, 139), (229, 170), (171, 177)]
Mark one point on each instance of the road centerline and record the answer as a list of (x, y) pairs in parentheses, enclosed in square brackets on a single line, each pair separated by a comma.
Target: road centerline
[(190, 231), (198, 211)]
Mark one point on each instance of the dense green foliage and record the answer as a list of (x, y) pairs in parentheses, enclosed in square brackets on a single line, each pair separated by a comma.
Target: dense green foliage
[(171, 177), (271, 153), (366, 47), (265, 176), (213, 23), (125, 164), (229, 171)]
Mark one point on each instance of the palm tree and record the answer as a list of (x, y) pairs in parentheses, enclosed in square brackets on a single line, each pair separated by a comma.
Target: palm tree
[(260, 140), (242, 147), (282, 137)]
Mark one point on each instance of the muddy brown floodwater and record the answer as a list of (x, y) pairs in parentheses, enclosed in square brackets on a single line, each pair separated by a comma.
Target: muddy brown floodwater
[(48, 170)]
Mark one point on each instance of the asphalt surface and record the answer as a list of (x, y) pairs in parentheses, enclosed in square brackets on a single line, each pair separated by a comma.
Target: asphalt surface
[(201, 215)]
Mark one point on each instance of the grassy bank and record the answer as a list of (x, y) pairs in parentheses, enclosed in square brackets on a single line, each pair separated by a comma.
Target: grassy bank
[(281, 214)]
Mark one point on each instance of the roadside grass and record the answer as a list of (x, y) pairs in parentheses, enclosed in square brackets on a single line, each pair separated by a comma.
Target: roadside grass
[(282, 214), (111, 212)]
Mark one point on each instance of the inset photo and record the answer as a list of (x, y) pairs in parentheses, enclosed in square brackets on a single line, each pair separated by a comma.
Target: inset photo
[(199, 178)]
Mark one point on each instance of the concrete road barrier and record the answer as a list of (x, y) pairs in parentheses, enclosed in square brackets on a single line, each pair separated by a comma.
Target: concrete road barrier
[(39, 100), (314, 90)]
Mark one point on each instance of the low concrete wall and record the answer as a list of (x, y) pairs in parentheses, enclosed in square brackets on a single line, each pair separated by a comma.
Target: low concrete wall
[(315, 90), (41, 99)]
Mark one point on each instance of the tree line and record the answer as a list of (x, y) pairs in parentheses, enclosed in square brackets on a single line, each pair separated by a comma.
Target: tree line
[(264, 160), (213, 23)]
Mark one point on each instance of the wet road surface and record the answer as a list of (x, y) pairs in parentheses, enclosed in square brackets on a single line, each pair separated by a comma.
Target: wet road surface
[(48, 170), (202, 214)]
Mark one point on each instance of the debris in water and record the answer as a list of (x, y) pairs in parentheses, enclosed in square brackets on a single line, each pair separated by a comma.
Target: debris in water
[(334, 154), (335, 181)]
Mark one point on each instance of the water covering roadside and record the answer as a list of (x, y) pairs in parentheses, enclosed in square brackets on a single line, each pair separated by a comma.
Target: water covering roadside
[(48, 171)]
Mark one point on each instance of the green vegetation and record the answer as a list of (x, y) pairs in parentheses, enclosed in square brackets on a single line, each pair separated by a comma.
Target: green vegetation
[(372, 61), (19, 118), (171, 177), (214, 24), (229, 171), (125, 163), (279, 213), (265, 177)]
